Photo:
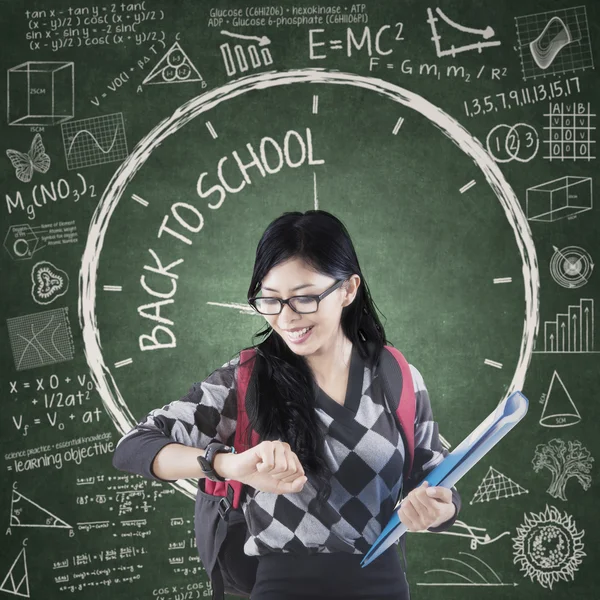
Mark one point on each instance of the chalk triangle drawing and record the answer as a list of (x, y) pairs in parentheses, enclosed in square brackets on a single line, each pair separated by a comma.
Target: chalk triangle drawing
[(26, 513), (495, 485), (17, 580), (174, 67), (563, 411)]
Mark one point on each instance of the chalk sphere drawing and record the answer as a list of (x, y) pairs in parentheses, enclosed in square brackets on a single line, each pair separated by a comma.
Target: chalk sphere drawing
[(115, 405), (571, 267)]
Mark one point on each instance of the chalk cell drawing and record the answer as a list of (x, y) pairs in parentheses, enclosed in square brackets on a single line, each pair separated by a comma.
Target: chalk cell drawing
[(174, 67), (548, 547), (519, 142), (564, 461), (16, 581), (570, 132), (559, 409), (94, 141), (24, 512), (40, 93), (571, 267), (35, 159), (559, 198), (21, 242), (495, 486), (48, 282), (243, 57), (452, 50), (554, 42), (571, 331), (39, 339), (481, 578)]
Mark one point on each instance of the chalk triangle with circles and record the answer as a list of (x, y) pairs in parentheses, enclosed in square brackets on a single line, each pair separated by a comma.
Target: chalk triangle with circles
[(174, 67)]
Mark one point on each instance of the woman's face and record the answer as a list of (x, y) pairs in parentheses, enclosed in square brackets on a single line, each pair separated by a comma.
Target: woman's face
[(294, 278)]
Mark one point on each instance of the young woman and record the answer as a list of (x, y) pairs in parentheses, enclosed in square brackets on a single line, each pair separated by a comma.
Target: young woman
[(327, 473)]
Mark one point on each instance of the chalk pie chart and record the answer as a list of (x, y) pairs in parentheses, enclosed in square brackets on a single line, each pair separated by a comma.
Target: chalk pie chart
[(440, 236)]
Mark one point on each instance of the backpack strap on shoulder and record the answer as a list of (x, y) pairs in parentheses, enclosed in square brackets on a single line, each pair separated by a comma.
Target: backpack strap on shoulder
[(399, 388), (232, 490)]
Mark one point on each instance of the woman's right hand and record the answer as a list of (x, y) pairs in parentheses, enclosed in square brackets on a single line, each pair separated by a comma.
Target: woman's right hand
[(271, 466)]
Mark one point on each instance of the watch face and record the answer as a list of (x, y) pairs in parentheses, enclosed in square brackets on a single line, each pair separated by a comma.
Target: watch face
[(439, 234)]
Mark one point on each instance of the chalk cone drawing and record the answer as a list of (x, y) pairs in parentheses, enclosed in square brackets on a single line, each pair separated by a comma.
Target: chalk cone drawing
[(174, 67), (16, 581), (571, 267), (563, 411), (481, 579), (48, 282), (548, 547), (495, 486), (35, 159), (554, 37), (564, 461), (485, 33), (24, 512)]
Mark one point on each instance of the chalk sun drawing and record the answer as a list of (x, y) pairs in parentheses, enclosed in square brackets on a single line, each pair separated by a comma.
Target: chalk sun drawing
[(114, 403)]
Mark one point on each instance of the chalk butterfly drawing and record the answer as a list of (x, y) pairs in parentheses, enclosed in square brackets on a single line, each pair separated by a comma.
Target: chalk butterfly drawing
[(25, 163)]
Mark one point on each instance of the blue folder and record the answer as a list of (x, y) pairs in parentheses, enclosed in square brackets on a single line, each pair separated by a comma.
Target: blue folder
[(506, 415)]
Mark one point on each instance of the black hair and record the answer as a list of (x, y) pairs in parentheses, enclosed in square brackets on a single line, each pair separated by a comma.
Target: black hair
[(284, 385)]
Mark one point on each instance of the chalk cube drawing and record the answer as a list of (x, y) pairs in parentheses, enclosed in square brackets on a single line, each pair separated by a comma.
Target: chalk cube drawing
[(40, 93), (559, 198)]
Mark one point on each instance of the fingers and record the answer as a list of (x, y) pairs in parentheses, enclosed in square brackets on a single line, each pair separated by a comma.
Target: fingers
[(279, 461), (440, 493), (422, 507)]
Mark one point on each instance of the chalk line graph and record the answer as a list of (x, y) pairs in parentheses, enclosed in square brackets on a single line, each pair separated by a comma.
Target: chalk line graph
[(94, 141)]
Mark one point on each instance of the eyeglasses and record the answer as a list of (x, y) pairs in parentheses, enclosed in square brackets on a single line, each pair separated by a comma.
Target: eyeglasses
[(299, 304)]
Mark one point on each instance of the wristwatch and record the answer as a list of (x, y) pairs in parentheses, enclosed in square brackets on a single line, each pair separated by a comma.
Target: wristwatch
[(206, 461)]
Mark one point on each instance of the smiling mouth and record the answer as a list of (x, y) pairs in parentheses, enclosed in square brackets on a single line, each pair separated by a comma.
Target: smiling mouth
[(299, 333)]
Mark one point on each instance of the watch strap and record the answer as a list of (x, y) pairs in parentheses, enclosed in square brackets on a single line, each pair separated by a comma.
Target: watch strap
[(206, 462)]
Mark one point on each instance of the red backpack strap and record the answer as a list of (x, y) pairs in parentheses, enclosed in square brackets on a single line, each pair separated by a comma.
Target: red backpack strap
[(406, 407), (247, 362), (244, 374)]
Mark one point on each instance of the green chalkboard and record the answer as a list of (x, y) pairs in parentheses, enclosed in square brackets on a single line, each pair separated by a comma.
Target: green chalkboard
[(147, 147)]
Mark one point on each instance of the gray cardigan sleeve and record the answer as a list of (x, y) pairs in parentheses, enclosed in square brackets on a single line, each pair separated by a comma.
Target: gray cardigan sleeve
[(429, 452), (207, 412)]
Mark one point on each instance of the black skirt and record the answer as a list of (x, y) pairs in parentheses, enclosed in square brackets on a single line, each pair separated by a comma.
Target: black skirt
[(285, 576)]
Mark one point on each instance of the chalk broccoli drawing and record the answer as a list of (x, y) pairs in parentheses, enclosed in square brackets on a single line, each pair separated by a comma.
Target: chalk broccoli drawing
[(564, 461)]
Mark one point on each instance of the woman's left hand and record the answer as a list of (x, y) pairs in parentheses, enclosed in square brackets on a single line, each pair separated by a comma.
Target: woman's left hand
[(426, 506)]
